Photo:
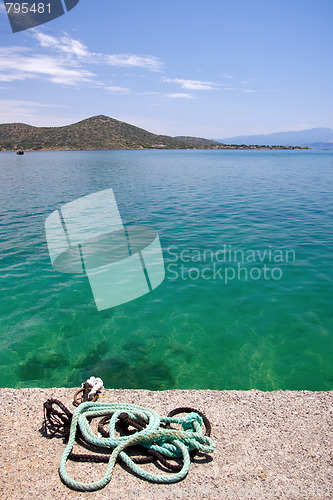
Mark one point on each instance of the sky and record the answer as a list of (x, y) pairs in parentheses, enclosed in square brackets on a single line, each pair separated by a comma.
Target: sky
[(214, 68)]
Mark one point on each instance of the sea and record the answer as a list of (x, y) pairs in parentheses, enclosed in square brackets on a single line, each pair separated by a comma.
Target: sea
[(246, 302)]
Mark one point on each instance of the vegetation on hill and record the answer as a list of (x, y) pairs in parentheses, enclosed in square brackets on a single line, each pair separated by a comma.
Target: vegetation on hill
[(97, 132), (100, 132)]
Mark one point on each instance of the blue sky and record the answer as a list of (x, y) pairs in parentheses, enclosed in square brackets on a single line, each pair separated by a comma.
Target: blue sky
[(213, 69)]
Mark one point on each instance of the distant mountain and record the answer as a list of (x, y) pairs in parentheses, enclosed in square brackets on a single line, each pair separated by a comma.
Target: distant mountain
[(321, 138), (97, 132)]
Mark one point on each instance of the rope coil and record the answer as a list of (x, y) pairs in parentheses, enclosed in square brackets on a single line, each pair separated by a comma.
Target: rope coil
[(154, 436)]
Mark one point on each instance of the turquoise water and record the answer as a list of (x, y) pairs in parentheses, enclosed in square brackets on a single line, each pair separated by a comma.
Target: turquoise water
[(221, 217)]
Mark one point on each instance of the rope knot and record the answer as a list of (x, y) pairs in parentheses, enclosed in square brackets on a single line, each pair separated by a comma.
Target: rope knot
[(96, 385), (191, 422)]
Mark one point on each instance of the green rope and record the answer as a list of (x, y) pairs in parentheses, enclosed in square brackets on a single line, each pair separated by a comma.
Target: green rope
[(171, 442)]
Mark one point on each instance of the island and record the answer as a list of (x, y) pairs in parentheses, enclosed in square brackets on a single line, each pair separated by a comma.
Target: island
[(103, 133)]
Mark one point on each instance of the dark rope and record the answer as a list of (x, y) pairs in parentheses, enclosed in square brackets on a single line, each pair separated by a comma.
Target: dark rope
[(55, 421)]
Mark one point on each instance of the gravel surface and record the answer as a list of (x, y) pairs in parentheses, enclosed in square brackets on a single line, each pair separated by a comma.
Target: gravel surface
[(268, 445)]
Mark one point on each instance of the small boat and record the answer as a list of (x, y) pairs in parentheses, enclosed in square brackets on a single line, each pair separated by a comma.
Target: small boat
[(20, 152)]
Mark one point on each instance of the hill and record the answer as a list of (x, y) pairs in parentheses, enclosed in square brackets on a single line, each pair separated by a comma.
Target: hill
[(97, 132), (321, 138)]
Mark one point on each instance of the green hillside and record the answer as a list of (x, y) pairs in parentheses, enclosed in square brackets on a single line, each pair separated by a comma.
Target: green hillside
[(97, 132)]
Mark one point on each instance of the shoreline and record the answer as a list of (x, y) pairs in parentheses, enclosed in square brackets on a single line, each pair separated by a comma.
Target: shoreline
[(268, 445), (217, 148)]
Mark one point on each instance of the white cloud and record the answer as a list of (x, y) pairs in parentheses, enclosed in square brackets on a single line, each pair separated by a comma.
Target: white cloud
[(17, 103), (63, 44), (18, 63), (151, 93), (249, 81), (113, 89), (179, 96), (76, 48), (191, 84), (73, 57), (15, 110), (132, 60)]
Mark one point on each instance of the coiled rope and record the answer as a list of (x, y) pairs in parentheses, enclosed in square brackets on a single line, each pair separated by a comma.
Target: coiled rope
[(171, 443), (58, 419)]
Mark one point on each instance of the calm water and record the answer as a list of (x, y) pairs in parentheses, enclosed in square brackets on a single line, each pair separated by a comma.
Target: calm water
[(221, 217)]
